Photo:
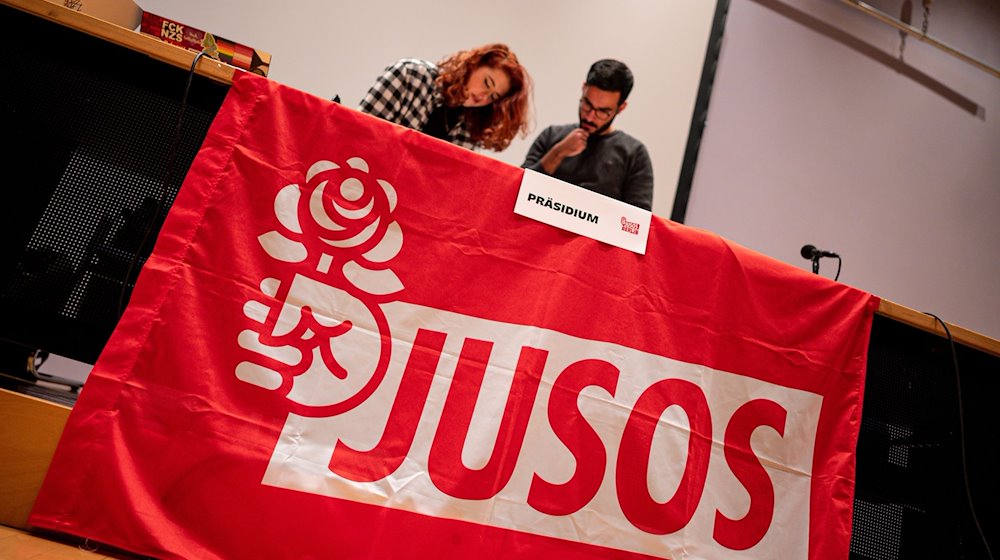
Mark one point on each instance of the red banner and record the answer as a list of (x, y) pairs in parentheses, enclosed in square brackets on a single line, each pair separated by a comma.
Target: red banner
[(346, 345)]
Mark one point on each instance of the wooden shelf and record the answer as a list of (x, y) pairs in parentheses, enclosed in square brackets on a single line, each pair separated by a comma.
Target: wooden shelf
[(152, 47), (927, 323)]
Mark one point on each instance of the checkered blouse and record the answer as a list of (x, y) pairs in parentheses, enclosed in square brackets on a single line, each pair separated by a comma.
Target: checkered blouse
[(407, 95)]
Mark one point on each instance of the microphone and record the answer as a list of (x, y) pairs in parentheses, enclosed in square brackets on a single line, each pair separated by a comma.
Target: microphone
[(812, 253)]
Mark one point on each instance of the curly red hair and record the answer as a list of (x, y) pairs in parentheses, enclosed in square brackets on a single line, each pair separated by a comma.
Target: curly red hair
[(495, 125)]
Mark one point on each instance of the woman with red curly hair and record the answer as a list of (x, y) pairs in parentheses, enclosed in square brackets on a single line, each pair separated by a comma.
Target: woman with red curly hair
[(476, 98)]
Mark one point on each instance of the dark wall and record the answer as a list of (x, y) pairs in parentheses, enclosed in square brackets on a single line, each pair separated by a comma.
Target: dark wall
[(92, 163), (910, 498)]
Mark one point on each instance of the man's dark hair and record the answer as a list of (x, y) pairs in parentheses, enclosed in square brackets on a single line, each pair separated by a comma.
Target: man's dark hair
[(611, 75)]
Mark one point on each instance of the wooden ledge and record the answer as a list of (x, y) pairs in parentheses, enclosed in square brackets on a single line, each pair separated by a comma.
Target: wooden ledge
[(927, 323), (150, 46)]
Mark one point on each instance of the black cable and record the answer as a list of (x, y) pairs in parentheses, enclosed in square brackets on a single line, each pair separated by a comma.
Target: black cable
[(168, 177), (961, 435), (838, 269)]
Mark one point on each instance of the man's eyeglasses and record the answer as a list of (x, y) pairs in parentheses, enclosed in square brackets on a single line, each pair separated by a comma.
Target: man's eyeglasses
[(587, 107)]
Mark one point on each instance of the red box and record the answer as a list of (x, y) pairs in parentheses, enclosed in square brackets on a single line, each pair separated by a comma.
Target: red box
[(182, 35)]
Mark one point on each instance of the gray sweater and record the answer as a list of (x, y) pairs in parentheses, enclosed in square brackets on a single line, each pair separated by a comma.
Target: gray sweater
[(614, 164)]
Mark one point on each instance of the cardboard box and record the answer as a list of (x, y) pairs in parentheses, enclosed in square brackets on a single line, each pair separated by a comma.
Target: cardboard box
[(125, 13), (182, 35)]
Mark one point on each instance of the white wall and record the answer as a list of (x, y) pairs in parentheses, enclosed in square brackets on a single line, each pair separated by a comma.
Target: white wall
[(338, 48), (809, 141)]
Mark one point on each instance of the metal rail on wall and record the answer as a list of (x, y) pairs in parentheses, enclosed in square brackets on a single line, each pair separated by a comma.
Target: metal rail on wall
[(921, 35)]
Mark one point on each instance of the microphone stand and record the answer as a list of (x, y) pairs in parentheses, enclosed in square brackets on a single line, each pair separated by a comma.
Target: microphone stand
[(812, 253)]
